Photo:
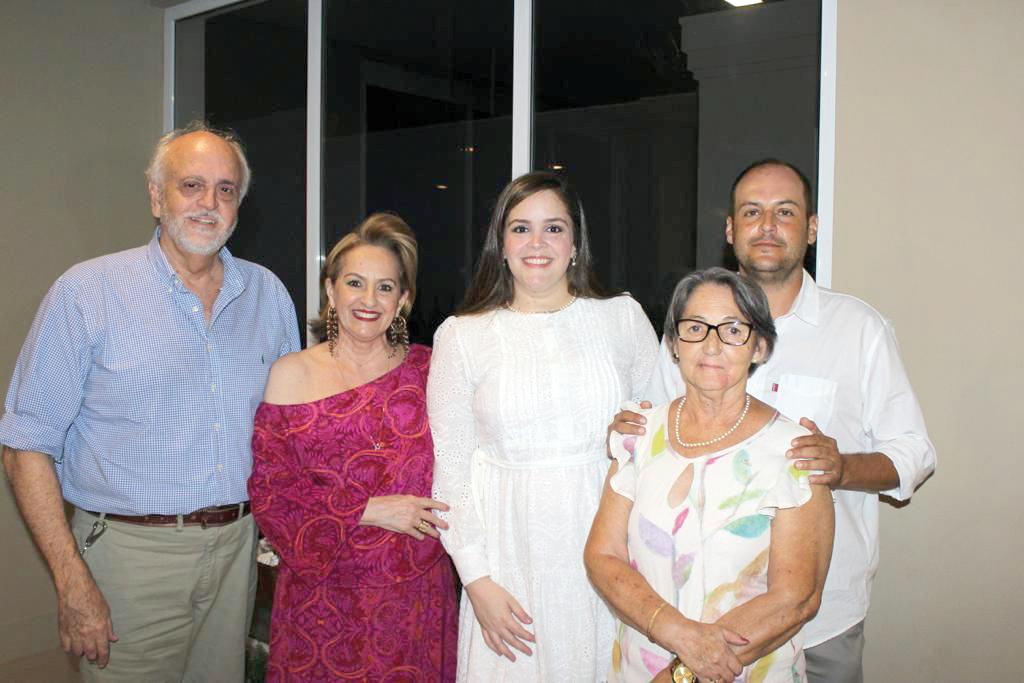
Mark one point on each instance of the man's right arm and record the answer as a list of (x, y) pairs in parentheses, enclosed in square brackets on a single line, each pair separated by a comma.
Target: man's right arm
[(83, 615), (44, 398)]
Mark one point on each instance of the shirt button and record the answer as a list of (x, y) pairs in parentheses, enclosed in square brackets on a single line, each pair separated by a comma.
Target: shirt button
[(220, 467), (216, 426), (209, 347), (213, 388), (195, 309)]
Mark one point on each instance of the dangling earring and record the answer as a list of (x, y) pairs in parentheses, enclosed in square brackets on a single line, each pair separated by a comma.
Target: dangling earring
[(572, 259), (332, 328), (398, 335), (675, 357)]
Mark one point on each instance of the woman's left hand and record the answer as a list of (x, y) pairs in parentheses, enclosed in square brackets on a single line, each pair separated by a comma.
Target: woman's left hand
[(411, 515), (664, 676), (706, 649)]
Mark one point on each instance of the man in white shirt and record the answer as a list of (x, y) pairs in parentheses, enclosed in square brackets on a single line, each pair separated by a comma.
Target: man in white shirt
[(836, 368)]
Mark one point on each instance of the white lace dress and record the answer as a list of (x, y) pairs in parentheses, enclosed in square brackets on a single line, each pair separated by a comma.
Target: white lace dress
[(519, 405)]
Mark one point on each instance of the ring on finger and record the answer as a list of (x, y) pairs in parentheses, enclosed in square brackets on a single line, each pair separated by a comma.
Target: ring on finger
[(423, 526)]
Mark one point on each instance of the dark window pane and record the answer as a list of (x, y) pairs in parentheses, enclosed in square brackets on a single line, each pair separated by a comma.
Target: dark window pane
[(652, 116), (417, 104), (244, 67)]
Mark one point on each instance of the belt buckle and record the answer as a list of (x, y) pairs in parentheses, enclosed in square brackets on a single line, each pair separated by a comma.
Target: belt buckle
[(204, 522)]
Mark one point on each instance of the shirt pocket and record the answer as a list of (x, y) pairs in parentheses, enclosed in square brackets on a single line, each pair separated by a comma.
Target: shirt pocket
[(804, 396), (129, 384)]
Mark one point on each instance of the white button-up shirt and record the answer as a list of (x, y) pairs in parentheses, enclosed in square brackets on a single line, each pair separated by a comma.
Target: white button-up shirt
[(836, 361)]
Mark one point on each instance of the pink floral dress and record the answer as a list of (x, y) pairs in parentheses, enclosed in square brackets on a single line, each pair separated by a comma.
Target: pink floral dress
[(353, 602)]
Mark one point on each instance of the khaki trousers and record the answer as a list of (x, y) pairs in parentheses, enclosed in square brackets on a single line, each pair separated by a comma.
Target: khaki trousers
[(180, 599)]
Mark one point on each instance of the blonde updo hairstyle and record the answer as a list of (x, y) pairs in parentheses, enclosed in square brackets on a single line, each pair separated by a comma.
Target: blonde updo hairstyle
[(384, 230)]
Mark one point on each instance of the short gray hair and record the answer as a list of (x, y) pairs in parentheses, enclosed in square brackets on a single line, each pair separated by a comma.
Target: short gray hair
[(747, 294), (155, 170)]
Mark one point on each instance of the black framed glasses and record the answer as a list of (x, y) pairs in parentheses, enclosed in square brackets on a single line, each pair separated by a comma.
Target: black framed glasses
[(731, 332)]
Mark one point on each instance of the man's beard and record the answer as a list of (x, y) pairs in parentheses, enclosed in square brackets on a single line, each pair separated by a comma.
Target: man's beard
[(776, 274), (177, 230)]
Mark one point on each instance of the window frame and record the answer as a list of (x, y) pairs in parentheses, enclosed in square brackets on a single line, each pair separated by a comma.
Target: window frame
[(522, 120)]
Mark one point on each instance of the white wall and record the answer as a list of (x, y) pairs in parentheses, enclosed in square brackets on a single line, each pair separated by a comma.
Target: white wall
[(928, 228), (80, 86)]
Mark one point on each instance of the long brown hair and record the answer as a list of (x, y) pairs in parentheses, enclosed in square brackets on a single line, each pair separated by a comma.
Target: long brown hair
[(492, 285)]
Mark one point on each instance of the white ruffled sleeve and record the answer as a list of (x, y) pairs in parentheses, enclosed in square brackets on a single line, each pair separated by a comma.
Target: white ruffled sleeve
[(624, 450), (791, 489), (450, 408)]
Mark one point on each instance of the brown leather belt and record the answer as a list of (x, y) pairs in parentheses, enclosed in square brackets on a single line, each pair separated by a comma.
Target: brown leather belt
[(218, 515)]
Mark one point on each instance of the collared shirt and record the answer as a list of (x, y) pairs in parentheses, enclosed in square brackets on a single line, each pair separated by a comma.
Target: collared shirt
[(836, 361), (145, 407)]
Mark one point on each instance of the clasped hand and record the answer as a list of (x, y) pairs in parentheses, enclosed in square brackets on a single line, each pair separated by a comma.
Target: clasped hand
[(410, 515), (708, 650)]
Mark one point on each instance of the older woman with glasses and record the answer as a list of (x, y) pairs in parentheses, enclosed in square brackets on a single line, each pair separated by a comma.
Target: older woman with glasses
[(710, 547)]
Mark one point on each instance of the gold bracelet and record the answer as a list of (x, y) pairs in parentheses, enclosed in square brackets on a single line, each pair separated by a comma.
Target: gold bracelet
[(654, 615)]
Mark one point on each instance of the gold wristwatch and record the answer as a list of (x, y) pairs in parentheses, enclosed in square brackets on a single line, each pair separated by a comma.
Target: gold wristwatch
[(680, 674)]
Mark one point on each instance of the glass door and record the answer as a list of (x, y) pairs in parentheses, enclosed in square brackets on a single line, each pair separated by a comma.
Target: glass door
[(417, 104), (424, 108), (243, 67)]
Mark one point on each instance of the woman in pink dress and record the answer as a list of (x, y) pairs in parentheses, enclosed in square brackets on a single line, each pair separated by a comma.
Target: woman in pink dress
[(342, 471)]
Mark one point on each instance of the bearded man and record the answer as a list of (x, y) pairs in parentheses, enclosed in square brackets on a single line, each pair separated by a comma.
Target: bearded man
[(133, 399)]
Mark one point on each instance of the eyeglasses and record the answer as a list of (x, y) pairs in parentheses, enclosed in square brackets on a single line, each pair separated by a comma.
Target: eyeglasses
[(733, 332)]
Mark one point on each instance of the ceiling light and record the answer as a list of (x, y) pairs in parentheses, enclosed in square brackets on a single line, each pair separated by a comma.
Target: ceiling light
[(441, 187), (557, 167), (743, 3)]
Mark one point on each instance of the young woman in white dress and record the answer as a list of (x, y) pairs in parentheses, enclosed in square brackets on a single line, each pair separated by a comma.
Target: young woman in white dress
[(523, 382)]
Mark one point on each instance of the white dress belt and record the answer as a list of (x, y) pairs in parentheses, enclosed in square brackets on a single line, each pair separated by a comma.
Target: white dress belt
[(481, 459)]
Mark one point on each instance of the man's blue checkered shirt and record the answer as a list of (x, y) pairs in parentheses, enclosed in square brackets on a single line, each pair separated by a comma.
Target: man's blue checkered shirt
[(144, 408)]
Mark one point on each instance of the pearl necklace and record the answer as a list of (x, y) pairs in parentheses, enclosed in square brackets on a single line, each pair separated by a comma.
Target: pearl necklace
[(512, 308), (698, 444)]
